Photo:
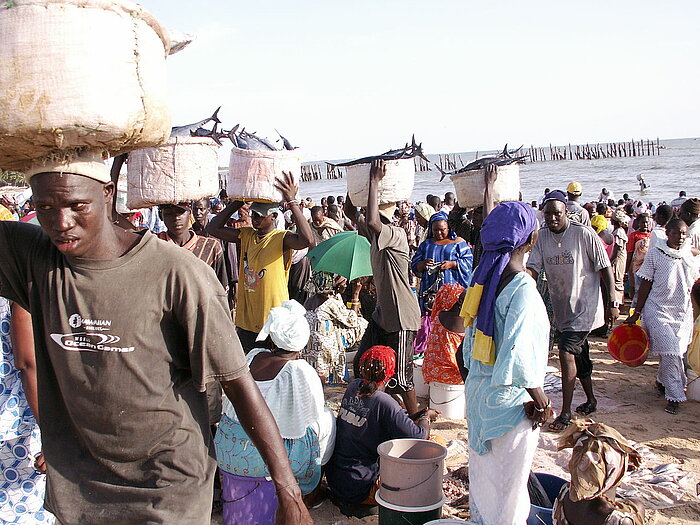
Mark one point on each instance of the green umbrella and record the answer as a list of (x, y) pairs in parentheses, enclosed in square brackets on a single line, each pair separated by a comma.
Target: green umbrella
[(346, 254)]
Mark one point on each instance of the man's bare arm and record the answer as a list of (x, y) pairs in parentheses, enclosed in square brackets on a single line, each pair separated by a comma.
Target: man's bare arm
[(217, 225), (303, 238)]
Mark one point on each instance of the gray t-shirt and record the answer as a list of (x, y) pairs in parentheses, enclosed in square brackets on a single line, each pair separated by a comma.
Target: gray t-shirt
[(397, 305), (572, 261), (578, 213), (124, 349)]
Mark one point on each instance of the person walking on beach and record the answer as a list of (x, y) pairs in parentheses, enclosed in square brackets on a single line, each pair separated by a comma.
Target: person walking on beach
[(121, 381), (574, 260), (573, 209), (396, 319), (265, 257)]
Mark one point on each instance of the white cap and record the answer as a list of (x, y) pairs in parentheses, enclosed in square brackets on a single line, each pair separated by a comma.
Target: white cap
[(87, 163)]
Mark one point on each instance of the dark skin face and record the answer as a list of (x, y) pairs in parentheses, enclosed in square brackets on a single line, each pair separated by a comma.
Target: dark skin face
[(263, 225), (441, 230), (74, 211), (317, 218), (677, 235), (176, 219), (687, 217), (555, 216), (200, 212)]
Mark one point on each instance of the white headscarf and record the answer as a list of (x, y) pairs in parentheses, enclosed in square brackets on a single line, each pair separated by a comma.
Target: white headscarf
[(287, 326)]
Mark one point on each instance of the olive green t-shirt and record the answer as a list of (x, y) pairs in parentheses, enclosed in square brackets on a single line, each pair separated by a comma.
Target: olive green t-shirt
[(124, 351)]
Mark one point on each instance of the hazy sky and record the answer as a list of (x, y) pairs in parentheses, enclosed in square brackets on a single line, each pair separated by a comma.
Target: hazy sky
[(347, 79)]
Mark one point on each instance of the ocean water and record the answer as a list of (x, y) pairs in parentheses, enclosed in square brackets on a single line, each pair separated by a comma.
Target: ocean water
[(676, 168)]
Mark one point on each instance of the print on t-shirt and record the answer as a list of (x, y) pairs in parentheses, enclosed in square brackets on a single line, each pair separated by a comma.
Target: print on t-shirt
[(564, 258), (92, 338), (252, 279)]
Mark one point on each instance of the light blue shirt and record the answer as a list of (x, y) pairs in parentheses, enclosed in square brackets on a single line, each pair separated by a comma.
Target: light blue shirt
[(495, 394)]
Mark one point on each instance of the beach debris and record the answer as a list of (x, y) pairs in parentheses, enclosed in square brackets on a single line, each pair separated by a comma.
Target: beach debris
[(407, 152), (552, 384), (455, 485), (456, 446), (504, 158)]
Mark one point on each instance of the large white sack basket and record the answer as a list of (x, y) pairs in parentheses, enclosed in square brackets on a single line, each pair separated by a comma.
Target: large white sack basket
[(182, 169), (80, 74), (252, 173), (397, 184), (469, 185)]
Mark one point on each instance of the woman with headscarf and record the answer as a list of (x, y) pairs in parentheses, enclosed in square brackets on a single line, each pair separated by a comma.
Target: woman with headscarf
[(666, 279), (599, 460), (334, 327), (505, 351), (441, 258), (294, 394), (423, 213), (446, 335), (368, 416)]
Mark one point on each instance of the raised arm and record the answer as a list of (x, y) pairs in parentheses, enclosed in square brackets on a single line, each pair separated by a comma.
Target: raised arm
[(217, 225), (258, 423), (376, 173), (303, 238), (489, 180)]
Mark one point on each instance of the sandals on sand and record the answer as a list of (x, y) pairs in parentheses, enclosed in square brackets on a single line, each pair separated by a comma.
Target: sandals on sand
[(672, 407), (560, 423), (587, 408)]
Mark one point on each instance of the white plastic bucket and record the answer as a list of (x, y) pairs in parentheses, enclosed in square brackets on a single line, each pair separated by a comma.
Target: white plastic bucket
[(448, 399), (421, 387), (410, 472), (469, 186), (396, 185)]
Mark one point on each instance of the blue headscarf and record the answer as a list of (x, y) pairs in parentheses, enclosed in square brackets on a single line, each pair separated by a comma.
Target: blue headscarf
[(508, 226), (440, 216)]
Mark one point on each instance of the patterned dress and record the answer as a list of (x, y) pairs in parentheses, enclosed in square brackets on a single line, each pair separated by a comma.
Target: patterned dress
[(21, 486), (440, 360)]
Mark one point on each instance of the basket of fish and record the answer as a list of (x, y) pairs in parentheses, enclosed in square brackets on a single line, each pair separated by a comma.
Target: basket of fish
[(256, 163), (80, 74), (182, 169), (469, 181), (396, 185)]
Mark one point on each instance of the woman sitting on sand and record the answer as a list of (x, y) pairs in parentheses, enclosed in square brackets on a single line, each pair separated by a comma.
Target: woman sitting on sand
[(667, 276), (367, 417), (446, 335), (334, 327), (293, 392), (599, 460), (505, 351)]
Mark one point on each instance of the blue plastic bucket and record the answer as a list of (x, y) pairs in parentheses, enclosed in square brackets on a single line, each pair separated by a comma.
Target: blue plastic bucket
[(552, 486), (252, 501)]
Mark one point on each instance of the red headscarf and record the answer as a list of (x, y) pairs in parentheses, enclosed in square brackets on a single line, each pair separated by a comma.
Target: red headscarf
[(384, 355)]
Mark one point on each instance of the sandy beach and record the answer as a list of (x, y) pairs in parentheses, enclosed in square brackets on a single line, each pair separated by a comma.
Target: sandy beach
[(628, 402)]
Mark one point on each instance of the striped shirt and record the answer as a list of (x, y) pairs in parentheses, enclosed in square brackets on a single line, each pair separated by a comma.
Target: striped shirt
[(206, 249)]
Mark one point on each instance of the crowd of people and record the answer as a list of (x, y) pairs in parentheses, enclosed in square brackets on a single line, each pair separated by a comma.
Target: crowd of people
[(225, 345)]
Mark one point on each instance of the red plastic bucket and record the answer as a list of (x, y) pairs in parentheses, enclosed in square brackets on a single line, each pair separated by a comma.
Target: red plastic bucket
[(252, 501), (629, 344)]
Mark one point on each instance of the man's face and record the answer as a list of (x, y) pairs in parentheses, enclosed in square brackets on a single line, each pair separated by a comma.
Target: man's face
[(317, 218), (404, 209), (688, 217), (555, 216), (72, 209), (200, 211), (645, 224), (176, 218), (262, 222)]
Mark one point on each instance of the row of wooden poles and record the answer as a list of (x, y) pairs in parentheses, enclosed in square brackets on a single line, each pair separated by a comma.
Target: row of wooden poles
[(453, 161), (641, 148)]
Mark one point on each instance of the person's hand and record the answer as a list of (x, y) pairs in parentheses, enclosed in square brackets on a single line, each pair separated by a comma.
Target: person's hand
[(632, 319), (614, 313), (490, 175), (40, 463), (286, 186), (291, 509), (377, 170), (538, 417), (448, 265), (432, 414)]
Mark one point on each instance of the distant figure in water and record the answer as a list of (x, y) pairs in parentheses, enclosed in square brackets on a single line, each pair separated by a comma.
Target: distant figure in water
[(642, 183)]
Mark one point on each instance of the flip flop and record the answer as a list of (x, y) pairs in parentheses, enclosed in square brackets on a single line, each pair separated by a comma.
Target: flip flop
[(672, 407), (587, 408), (560, 421)]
